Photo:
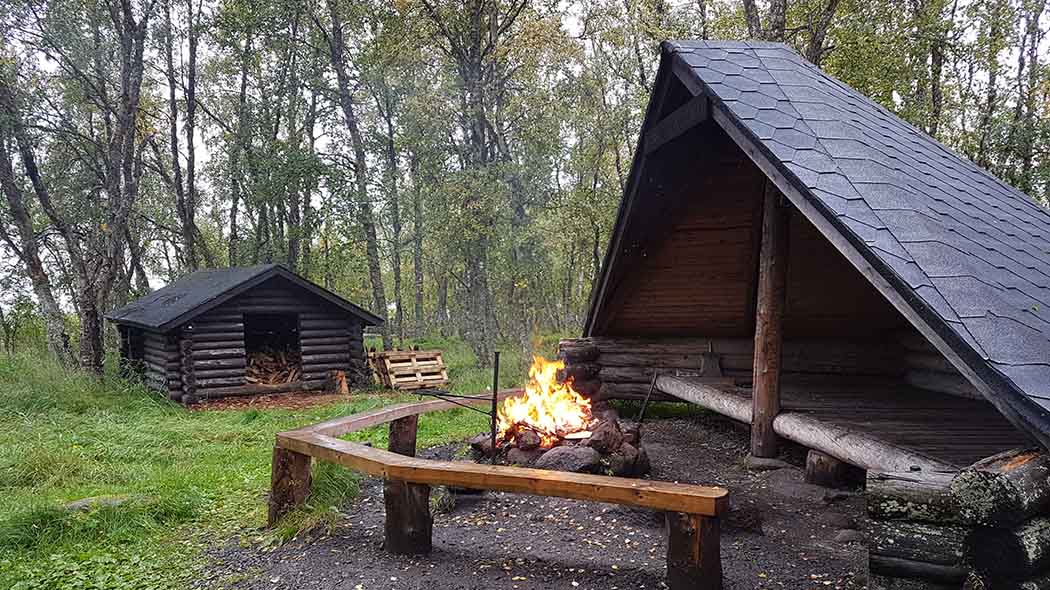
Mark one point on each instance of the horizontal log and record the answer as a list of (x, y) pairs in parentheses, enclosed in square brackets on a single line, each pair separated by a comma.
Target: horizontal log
[(572, 351), (219, 315), (227, 363), (237, 335), (211, 328), (324, 348), (707, 396), (985, 581), (343, 340), (915, 496), (917, 541), (315, 359), (218, 382), (1019, 552), (236, 343), (918, 570), (929, 361), (579, 372), (312, 333), (218, 353), (286, 308), (1005, 489), (324, 368), (854, 447), (257, 389), (942, 383), (672, 346), (629, 391), (212, 373), (324, 324), (881, 582)]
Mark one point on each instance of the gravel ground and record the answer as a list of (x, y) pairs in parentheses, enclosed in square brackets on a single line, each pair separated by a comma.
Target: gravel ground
[(781, 533)]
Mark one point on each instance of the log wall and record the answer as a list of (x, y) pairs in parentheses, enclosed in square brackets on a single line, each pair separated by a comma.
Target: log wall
[(160, 362), (622, 368), (693, 272), (925, 367), (206, 357), (329, 338)]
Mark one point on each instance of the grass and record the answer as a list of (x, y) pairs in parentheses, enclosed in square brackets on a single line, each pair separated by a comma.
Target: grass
[(169, 481)]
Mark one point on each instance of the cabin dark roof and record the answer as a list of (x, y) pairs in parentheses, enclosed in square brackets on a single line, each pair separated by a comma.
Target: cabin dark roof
[(968, 253), (196, 293)]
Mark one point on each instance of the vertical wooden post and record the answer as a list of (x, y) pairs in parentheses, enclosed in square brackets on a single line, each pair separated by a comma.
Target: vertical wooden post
[(772, 283), (290, 482), (694, 560), (408, 523)]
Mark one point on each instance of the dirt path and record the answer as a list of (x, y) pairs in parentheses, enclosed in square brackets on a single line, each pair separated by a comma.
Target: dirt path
[(782, 533)]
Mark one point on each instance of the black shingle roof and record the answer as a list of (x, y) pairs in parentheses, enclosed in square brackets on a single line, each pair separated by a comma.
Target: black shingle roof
[(194, 294), (968, 253)]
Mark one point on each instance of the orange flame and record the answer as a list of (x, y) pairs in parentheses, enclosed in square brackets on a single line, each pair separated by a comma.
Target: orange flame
[(550, 408)]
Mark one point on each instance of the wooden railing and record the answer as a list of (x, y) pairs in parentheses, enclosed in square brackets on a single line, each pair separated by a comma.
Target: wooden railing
[(693, 554)]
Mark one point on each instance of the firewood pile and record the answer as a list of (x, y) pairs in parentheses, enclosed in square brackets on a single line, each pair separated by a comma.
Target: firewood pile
[(269, 367), (987, 527)]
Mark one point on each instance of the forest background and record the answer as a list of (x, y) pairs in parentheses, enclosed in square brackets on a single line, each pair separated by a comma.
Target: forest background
[(455, 166)]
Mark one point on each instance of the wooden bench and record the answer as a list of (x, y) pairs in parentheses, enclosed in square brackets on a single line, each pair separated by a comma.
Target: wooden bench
[(692, 512)]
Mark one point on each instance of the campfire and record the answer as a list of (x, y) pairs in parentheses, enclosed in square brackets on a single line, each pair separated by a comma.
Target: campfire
[(552, 426)]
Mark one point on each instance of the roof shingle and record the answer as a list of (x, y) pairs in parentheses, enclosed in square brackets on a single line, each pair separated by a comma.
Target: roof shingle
[(974, 250)]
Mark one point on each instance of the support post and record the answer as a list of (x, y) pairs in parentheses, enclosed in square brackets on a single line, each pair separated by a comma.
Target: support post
[(694, 560), (772, 281), (408, 523), (289, 483)]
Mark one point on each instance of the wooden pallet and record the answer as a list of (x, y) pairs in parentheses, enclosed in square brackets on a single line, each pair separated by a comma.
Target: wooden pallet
[(408, 369)]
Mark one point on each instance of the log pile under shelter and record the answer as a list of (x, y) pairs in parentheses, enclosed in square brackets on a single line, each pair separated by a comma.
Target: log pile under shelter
[(270, 367), (985, 527)]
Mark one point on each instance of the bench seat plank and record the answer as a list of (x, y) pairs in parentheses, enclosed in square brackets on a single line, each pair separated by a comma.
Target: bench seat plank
[(659, 495)]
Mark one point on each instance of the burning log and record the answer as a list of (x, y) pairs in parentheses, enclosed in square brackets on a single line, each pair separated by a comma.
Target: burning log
[(552, 426)]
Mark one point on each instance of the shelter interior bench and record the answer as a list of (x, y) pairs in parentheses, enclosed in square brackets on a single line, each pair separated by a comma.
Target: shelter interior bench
[(874, 424), (692, 512)]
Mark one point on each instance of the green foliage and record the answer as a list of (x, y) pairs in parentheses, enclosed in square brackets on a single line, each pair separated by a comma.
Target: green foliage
[(165, 481)]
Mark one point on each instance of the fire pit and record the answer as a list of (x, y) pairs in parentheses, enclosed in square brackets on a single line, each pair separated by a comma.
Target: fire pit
[(552, 426)]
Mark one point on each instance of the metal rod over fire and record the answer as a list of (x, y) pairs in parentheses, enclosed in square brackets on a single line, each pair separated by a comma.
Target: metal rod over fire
[(495, 394)]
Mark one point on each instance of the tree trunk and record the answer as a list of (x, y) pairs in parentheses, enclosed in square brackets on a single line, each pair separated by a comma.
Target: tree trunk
[(387, 107), (1029, 132), (29, 252), (417, 246), (754, 21), (995, 36), (364, 204), (819, 31)]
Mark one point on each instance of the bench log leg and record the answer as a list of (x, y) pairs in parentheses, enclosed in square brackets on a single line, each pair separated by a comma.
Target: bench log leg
[(694, 560), (825, 470), (289, 484), (408, 526)]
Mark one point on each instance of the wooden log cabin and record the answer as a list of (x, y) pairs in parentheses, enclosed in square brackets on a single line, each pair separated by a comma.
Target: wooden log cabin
[(192, 339), (792, 255)]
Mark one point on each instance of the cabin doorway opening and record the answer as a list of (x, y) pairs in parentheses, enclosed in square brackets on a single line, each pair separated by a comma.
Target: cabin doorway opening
[(271, 345)]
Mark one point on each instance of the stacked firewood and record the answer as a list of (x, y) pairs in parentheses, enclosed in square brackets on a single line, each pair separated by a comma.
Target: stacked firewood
[(1007, 500), (269, 367), (985, 528)]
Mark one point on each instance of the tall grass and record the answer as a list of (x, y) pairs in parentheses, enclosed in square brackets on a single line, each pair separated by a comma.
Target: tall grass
[(167, 481)]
